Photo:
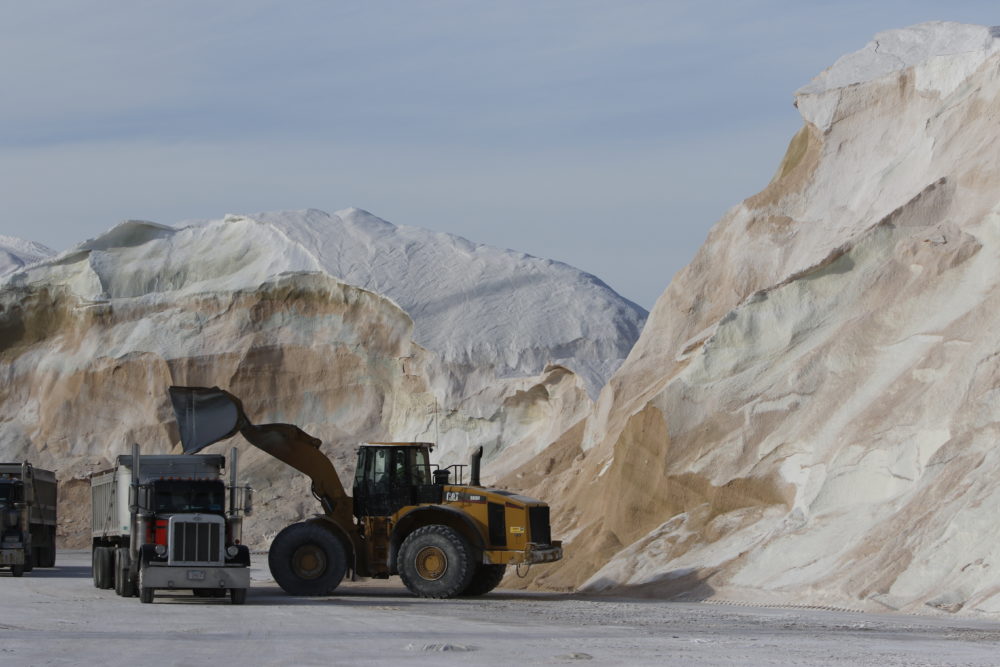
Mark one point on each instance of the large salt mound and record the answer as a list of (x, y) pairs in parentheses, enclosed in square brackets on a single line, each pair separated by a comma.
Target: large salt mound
[(474, 305), (810, 415), (300, 315)]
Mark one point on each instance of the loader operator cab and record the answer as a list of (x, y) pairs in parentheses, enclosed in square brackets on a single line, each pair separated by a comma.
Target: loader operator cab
[(391, 476)]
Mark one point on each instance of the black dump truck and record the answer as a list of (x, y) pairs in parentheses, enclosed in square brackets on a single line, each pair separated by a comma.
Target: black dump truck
[(27, 517)]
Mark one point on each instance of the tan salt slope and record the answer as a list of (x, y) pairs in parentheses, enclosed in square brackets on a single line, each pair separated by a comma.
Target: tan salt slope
[(810, 415)]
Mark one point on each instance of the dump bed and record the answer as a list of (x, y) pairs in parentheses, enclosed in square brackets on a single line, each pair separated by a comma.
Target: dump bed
[(110, 489), (109, 502), (44, 489)]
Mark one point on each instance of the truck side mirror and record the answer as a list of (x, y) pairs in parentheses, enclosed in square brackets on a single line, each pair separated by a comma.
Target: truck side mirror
[(247, 501)]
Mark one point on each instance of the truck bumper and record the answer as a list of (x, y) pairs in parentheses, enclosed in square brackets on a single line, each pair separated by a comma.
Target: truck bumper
[(548, 553), (10, 557), (192, 576)]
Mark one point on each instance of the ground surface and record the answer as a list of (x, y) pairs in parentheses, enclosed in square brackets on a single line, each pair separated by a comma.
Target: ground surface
[(54, 617)]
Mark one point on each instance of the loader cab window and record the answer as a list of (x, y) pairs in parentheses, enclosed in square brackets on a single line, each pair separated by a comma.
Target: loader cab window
[(387, 479)]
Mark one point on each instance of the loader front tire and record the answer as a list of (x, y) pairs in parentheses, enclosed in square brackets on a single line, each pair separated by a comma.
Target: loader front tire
[(307, 559), (436, 562)]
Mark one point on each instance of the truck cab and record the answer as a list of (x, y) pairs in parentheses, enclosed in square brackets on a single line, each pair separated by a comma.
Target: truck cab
[(162, 522)]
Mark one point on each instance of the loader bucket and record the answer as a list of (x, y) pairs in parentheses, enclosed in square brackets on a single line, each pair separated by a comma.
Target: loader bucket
[(205, 416)]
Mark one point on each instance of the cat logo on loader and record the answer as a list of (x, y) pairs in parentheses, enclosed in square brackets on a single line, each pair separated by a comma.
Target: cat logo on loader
[(442, 537)]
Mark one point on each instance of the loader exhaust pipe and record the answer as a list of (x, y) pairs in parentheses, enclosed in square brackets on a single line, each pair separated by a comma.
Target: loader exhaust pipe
[(477, 456)]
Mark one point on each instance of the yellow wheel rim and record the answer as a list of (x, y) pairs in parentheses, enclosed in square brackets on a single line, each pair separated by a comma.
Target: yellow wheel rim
[(308, 561), (431, 563)]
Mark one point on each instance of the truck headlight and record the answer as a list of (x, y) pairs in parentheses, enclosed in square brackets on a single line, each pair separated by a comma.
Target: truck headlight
[(160, 550), (232, 550)]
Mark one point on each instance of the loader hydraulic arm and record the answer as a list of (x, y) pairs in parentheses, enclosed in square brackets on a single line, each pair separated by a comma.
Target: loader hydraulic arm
[(207, 415), (300, 450)]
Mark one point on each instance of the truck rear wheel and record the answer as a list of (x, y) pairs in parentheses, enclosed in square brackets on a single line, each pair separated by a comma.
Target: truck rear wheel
[(486, 578), (307, 559), (49, 559), (104, 574), (436, 562)]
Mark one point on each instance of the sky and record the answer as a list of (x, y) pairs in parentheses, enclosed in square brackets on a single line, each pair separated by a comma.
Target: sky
[(607, 135)]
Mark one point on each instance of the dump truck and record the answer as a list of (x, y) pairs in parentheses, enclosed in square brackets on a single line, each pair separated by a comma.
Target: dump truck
[(27, 517), (407, 517), (161, 522)]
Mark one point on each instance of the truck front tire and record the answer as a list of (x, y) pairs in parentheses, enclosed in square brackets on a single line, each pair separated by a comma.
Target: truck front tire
[(17, 570), (145, 593), (307, 559), (123, 586), (436, 562), (237, 595)]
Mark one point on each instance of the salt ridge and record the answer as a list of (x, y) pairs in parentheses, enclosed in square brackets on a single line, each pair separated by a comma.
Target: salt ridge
[(17, 253), (472, 304)]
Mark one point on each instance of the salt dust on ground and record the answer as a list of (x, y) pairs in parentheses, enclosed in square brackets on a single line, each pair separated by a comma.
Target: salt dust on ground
[(57, 617)]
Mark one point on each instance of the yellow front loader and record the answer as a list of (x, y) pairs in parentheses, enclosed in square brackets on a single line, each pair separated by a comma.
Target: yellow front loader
[(408, 517)]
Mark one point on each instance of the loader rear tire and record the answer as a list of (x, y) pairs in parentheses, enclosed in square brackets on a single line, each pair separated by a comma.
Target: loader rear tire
[(307, 559), (486, 578), (436, 562)]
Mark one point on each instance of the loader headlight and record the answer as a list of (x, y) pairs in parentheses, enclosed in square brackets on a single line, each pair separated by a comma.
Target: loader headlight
[(160, 550), (232, 550)]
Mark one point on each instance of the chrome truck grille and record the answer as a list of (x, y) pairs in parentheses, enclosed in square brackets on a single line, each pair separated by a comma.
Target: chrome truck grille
[(195, 539)]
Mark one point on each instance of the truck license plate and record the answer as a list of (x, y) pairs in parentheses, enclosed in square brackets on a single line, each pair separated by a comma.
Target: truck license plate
[(196, 575)]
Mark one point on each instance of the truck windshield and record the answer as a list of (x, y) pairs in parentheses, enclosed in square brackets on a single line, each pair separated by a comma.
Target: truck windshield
[(6, 491), (189, 496)]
